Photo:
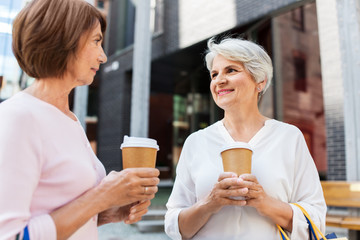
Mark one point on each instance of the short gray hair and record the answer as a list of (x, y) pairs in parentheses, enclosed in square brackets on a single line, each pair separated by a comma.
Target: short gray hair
[(254, 58)]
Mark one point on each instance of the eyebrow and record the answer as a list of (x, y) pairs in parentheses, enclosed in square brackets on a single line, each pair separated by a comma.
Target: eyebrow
[(233, 66), (99, 35), (228, 67)]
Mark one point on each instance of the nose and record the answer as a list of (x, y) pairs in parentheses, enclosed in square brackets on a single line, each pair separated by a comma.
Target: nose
[(102, 57), (220, 79)]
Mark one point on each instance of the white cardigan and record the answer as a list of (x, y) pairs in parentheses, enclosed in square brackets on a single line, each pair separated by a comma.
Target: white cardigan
[(283, 166)]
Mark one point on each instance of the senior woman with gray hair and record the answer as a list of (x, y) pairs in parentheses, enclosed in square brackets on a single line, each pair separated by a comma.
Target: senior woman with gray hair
[(283, 171)]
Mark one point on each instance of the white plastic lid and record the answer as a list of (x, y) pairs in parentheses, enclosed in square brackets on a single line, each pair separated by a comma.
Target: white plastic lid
[(236, 145), (139, 142)]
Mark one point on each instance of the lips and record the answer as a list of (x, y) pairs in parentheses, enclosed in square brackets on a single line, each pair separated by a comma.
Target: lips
[(94, 70), (224, 92)]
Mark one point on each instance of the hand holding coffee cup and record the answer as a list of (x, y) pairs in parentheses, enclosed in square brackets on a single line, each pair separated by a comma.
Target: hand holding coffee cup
[(236, 157), (138, 152)]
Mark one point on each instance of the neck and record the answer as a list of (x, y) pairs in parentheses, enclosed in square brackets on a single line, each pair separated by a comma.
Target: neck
[(54, 91), (244, 124)]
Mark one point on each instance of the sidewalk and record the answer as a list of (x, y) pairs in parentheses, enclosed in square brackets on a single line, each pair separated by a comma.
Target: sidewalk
[(122, 231)]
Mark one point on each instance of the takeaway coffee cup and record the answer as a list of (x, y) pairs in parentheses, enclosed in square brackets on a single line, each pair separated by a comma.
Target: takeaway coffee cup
[(139, 152), (236, 158)]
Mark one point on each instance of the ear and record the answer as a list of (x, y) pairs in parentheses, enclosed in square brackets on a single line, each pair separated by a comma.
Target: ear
[(260, 86)]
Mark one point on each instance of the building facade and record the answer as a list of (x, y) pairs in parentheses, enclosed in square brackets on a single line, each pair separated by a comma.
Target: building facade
[(180, 101)]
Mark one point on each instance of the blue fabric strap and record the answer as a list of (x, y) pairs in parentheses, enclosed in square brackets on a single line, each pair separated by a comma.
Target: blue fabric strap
[(26, 234), (282, 236)]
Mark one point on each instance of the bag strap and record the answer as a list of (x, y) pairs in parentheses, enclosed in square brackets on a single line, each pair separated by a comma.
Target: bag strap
[(283, 235), (316, 229), (312, 227), (26, 235)]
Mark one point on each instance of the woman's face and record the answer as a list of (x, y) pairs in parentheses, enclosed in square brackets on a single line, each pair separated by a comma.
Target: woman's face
[(87, 60), (231, 85)]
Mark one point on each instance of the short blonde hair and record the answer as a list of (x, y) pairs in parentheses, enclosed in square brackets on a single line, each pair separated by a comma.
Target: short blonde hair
[(254, 58), (46, 34)]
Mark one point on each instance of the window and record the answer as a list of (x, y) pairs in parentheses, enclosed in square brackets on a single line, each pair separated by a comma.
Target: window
[(299, 60), (297, 17), (100, 4), (156, 16)]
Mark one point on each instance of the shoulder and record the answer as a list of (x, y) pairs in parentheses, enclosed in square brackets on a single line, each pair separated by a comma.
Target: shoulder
[(285, 128), (200, 135), (16, 110), (14, 105)]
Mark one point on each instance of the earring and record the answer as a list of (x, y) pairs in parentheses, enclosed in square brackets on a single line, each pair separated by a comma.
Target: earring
[(259, 89)]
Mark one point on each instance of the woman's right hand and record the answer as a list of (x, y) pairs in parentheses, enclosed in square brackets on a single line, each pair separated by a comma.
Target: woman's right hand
[(128, 186), (193, 218), (228, 185)]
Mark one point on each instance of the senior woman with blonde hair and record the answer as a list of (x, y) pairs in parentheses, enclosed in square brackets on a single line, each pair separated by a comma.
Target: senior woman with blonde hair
[(52, 186), (283, 172)]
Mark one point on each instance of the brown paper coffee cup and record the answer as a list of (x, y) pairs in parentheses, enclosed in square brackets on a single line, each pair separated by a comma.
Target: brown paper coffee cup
[(237, 158), (139, 152)]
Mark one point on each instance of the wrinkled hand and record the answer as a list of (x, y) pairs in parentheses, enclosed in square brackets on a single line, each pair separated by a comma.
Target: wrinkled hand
[(130, 214), (255, 196), (228, 185), (137, 211), (128, 186)]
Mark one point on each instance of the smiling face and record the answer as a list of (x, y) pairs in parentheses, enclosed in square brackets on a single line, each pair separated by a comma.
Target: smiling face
[(83, 67), (231, 85)]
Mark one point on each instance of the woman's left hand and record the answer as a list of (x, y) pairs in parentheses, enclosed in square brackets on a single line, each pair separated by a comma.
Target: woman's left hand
[(130, 214), (255, 196), (278, 211)]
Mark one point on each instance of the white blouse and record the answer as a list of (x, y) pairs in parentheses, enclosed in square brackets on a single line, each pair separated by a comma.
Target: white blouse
[(281, 163)]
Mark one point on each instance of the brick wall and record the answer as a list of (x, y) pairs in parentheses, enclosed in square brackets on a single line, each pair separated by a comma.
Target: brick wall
[(332, 88), (114, 110)]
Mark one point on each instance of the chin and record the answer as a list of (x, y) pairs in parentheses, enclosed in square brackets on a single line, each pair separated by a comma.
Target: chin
[(86, 82), (90, 82), (221, 105)]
